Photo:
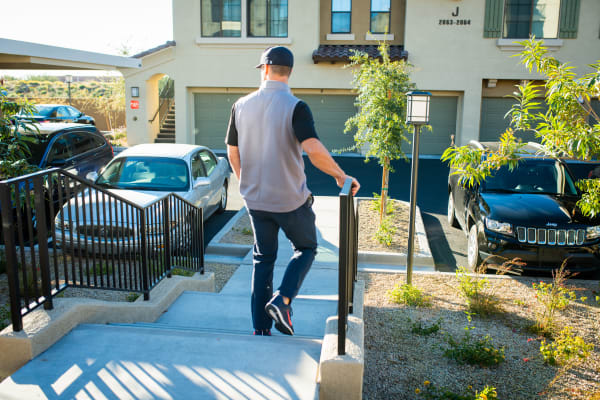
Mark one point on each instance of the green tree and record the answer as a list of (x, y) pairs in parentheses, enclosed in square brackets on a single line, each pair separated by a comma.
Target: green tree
[(380, 123), (569, 129), (13, 142)]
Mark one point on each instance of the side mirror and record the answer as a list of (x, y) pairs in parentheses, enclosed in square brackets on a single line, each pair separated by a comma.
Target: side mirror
[(92, 176), (201, 182)]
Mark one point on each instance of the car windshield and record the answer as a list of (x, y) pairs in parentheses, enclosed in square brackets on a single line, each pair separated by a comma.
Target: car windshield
[(146, 173), (44, 111), (532, 176)]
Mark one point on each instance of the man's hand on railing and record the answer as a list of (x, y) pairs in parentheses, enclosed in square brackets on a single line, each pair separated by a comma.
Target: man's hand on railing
[(355, 186)]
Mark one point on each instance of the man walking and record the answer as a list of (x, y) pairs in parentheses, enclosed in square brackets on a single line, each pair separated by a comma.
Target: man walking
[(268, 130)]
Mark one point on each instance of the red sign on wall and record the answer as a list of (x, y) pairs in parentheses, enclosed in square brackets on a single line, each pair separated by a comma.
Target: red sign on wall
[(135, 104)]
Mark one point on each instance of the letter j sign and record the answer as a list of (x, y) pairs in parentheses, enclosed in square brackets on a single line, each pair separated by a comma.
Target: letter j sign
[(135, 104)]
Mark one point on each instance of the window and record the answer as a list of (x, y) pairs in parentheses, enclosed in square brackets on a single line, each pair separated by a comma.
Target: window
[(267, 18), (221, 18), (380, 16), (74, 113), (62, 112), (341, 15), (197, 167), (209, 162), (523, 18), (60, 150)]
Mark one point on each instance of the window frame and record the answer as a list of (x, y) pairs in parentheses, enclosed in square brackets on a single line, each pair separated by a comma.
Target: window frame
[(341, 12), (249, 16), (212, 157), (242, 2), (379, 12), (503, 34)]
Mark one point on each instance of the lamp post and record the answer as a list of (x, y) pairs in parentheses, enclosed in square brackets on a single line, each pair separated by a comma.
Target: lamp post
[(417, 114), (69, 79)]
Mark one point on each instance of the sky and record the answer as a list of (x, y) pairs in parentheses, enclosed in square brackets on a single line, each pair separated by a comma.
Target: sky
[(100, 26)]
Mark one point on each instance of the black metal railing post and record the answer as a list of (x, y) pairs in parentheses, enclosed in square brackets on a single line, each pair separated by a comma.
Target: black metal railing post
[(42, 236), (12, 273), (167, 234), (346, 260), (144, 255)]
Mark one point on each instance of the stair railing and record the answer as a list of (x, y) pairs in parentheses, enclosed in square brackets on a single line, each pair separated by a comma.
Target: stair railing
[(348, 258), (61, 231), (166, 99)]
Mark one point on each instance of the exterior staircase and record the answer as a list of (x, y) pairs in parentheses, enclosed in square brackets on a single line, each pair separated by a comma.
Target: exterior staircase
[(166, 133)]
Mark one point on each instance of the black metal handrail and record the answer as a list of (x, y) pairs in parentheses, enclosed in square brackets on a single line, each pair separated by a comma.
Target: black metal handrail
[(105, 240), (348, 261), (165, 101)]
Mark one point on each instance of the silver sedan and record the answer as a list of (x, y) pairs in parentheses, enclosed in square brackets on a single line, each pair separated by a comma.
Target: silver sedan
[(141, 175)]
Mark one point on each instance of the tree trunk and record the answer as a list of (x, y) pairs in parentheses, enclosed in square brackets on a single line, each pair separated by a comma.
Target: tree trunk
[(384, 188)]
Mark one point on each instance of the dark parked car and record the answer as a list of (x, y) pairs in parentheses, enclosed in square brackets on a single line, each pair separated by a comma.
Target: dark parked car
[(528, 213), (77, 148), (58, 113)]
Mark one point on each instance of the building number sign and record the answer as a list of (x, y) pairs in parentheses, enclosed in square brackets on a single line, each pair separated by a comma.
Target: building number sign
[(461, 22)]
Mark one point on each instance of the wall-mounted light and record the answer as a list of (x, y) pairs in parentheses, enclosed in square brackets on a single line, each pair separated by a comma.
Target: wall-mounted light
[(492, 83), (135, 91)]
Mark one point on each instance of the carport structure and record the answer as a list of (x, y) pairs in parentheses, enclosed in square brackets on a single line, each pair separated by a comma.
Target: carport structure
[(16, 54)]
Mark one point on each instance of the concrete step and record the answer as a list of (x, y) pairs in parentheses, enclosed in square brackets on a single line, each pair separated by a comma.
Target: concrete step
[(319, 284), (167, 130), (165, 135), (127, 362), (168, 125), (157, 140), (214, 311)]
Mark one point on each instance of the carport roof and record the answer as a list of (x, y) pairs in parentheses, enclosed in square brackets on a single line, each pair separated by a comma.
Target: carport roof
[(15, 54)]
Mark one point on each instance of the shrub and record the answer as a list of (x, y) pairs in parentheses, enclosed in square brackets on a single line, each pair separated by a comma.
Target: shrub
[(432, 392), (419, 329), (385, 233), (409, 295), (376, 204), (551, 297), (472, 350), (566, 349), (131, 297), (477, 293), (182, 272)]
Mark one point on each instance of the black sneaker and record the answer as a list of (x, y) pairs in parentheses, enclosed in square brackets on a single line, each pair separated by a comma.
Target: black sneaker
[(281, 313), (262, 332)]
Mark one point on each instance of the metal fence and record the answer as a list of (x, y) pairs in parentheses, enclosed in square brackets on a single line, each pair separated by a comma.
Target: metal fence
[(60, 230), (348, 258)]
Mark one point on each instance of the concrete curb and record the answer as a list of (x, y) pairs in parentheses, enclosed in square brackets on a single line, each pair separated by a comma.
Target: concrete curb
[(228, 249), (42, 328), (341, 377), (423, 258)]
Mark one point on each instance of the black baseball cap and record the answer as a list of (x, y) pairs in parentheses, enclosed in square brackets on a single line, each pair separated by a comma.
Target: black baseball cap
[(277, 55)]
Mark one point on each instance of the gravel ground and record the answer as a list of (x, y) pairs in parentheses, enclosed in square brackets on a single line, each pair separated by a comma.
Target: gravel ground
[(398, 361), (240, 233)]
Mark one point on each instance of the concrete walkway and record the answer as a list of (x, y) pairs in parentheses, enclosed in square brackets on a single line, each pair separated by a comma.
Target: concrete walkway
[(201, 348)]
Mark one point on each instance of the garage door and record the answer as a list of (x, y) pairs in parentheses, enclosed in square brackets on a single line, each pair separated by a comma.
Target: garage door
[(493, 123), (211, 114), (442, 112), (330, 113)]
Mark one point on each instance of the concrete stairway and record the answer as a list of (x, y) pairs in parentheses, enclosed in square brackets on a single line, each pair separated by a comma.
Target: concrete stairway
[(167, 129), (201, 348)]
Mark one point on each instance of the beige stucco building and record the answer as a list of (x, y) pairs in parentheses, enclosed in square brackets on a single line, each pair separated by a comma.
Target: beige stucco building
[(460, 49)]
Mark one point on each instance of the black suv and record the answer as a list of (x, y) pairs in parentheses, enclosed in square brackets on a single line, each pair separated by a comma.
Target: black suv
[(528, 213)]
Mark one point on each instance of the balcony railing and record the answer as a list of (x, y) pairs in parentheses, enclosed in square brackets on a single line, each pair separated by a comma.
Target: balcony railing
[(62, 231)]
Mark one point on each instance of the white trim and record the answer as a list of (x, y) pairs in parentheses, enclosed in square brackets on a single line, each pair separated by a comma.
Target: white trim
[(243, 40), (64, 57), (511, 45), (340, 36), (379, 36)]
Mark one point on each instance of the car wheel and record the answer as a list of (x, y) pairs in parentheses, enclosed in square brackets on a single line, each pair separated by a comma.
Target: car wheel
[(223, 202), (451, 214), (473, 257)]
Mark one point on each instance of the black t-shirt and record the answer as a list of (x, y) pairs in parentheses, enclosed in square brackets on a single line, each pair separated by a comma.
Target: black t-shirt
[(302, 122)]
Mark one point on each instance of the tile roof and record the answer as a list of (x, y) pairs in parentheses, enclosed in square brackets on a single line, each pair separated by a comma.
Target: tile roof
[(342, 53), (154, 49)]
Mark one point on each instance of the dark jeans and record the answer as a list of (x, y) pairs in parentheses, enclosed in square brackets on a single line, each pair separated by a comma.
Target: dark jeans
[(299, 227)]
